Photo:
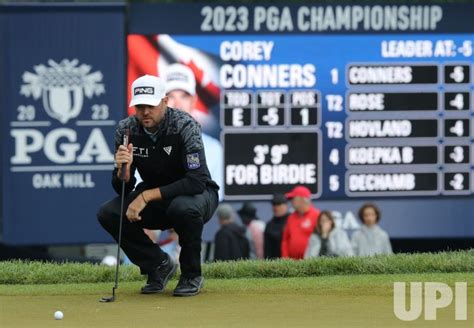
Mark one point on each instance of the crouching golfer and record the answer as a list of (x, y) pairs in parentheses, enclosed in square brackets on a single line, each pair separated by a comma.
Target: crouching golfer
[(177, 190)]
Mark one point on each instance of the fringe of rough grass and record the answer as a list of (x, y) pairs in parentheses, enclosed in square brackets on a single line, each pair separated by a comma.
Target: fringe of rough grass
[(25, 272)]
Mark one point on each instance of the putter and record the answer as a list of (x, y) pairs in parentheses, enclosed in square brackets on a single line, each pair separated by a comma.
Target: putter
[(122, 200)]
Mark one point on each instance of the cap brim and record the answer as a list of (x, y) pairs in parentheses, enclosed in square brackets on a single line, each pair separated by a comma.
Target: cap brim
[(291, 195), (144, 101)]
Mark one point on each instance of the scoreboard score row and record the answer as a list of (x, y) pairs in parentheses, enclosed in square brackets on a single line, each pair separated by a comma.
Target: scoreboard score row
[(269, 108), (395, 130), (238, 113)]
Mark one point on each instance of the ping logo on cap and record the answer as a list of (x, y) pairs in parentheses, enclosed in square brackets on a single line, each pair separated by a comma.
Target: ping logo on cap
[(144, 91)]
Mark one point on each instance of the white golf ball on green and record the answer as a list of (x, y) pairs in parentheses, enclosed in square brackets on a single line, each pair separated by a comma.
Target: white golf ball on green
[(58, 315)]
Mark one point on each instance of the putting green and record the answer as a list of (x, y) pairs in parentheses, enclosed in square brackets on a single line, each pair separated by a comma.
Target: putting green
[(335, 301)]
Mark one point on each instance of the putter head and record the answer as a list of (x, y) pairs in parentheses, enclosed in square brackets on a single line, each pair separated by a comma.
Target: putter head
[(108, 299)]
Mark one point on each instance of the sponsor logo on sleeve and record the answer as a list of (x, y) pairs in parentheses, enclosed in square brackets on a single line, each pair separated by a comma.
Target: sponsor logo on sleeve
[(193, 161)]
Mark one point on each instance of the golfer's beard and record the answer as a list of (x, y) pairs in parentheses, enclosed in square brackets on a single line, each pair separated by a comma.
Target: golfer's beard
[(148, 122)]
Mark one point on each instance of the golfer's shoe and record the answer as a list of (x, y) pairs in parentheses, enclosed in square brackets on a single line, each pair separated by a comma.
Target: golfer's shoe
[(189, 286), (157, 280)]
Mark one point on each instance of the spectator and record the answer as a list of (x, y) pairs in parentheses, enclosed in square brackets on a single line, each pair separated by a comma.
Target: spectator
[(300, 224), (255, 229), (274, 228), (370, 239), (327, 239), (230, 241)]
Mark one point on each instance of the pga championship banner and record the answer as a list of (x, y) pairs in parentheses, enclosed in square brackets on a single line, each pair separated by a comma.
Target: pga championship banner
[(63, 92), (356, 102)]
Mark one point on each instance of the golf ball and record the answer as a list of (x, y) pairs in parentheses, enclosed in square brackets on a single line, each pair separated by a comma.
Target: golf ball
[(58, 315)]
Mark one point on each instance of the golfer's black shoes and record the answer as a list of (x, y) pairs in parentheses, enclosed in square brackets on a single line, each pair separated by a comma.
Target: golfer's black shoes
[(158, 279), (188, 286)]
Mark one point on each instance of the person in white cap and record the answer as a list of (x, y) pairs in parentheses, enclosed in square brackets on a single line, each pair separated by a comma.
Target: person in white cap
[(181, 92), (177, 190)]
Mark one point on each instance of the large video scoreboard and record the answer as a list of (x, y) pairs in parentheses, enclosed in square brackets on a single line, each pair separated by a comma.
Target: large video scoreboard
[(356, 102)]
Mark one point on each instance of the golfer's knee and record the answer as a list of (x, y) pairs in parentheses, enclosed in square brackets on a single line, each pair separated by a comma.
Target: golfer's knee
[(106, 215), (181, 209)]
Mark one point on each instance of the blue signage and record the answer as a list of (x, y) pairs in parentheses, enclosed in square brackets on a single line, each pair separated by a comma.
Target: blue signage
[(63, 92)]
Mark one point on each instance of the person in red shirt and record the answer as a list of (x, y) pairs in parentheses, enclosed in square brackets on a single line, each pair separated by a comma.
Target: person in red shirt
[(300, 224)]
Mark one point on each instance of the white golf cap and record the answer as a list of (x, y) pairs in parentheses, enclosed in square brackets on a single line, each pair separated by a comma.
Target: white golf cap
[(180, 77), (147, 90)]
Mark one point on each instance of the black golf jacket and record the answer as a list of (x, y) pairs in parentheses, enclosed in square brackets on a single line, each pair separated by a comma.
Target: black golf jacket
[(175, 162)]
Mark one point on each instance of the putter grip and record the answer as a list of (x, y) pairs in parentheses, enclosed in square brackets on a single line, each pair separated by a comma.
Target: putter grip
[(125, 143)]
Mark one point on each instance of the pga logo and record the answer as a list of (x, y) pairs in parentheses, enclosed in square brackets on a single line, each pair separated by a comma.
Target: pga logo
[(429, 296), (61, 87)]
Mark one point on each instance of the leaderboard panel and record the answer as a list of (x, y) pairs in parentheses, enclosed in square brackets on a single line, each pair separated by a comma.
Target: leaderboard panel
[(408, 129)]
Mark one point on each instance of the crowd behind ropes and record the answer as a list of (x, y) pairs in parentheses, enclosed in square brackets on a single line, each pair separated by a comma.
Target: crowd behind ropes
[(305, 232)]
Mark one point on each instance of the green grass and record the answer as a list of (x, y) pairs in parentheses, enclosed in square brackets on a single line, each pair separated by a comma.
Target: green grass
[(325, 301), (20, 272), (270, 285)]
